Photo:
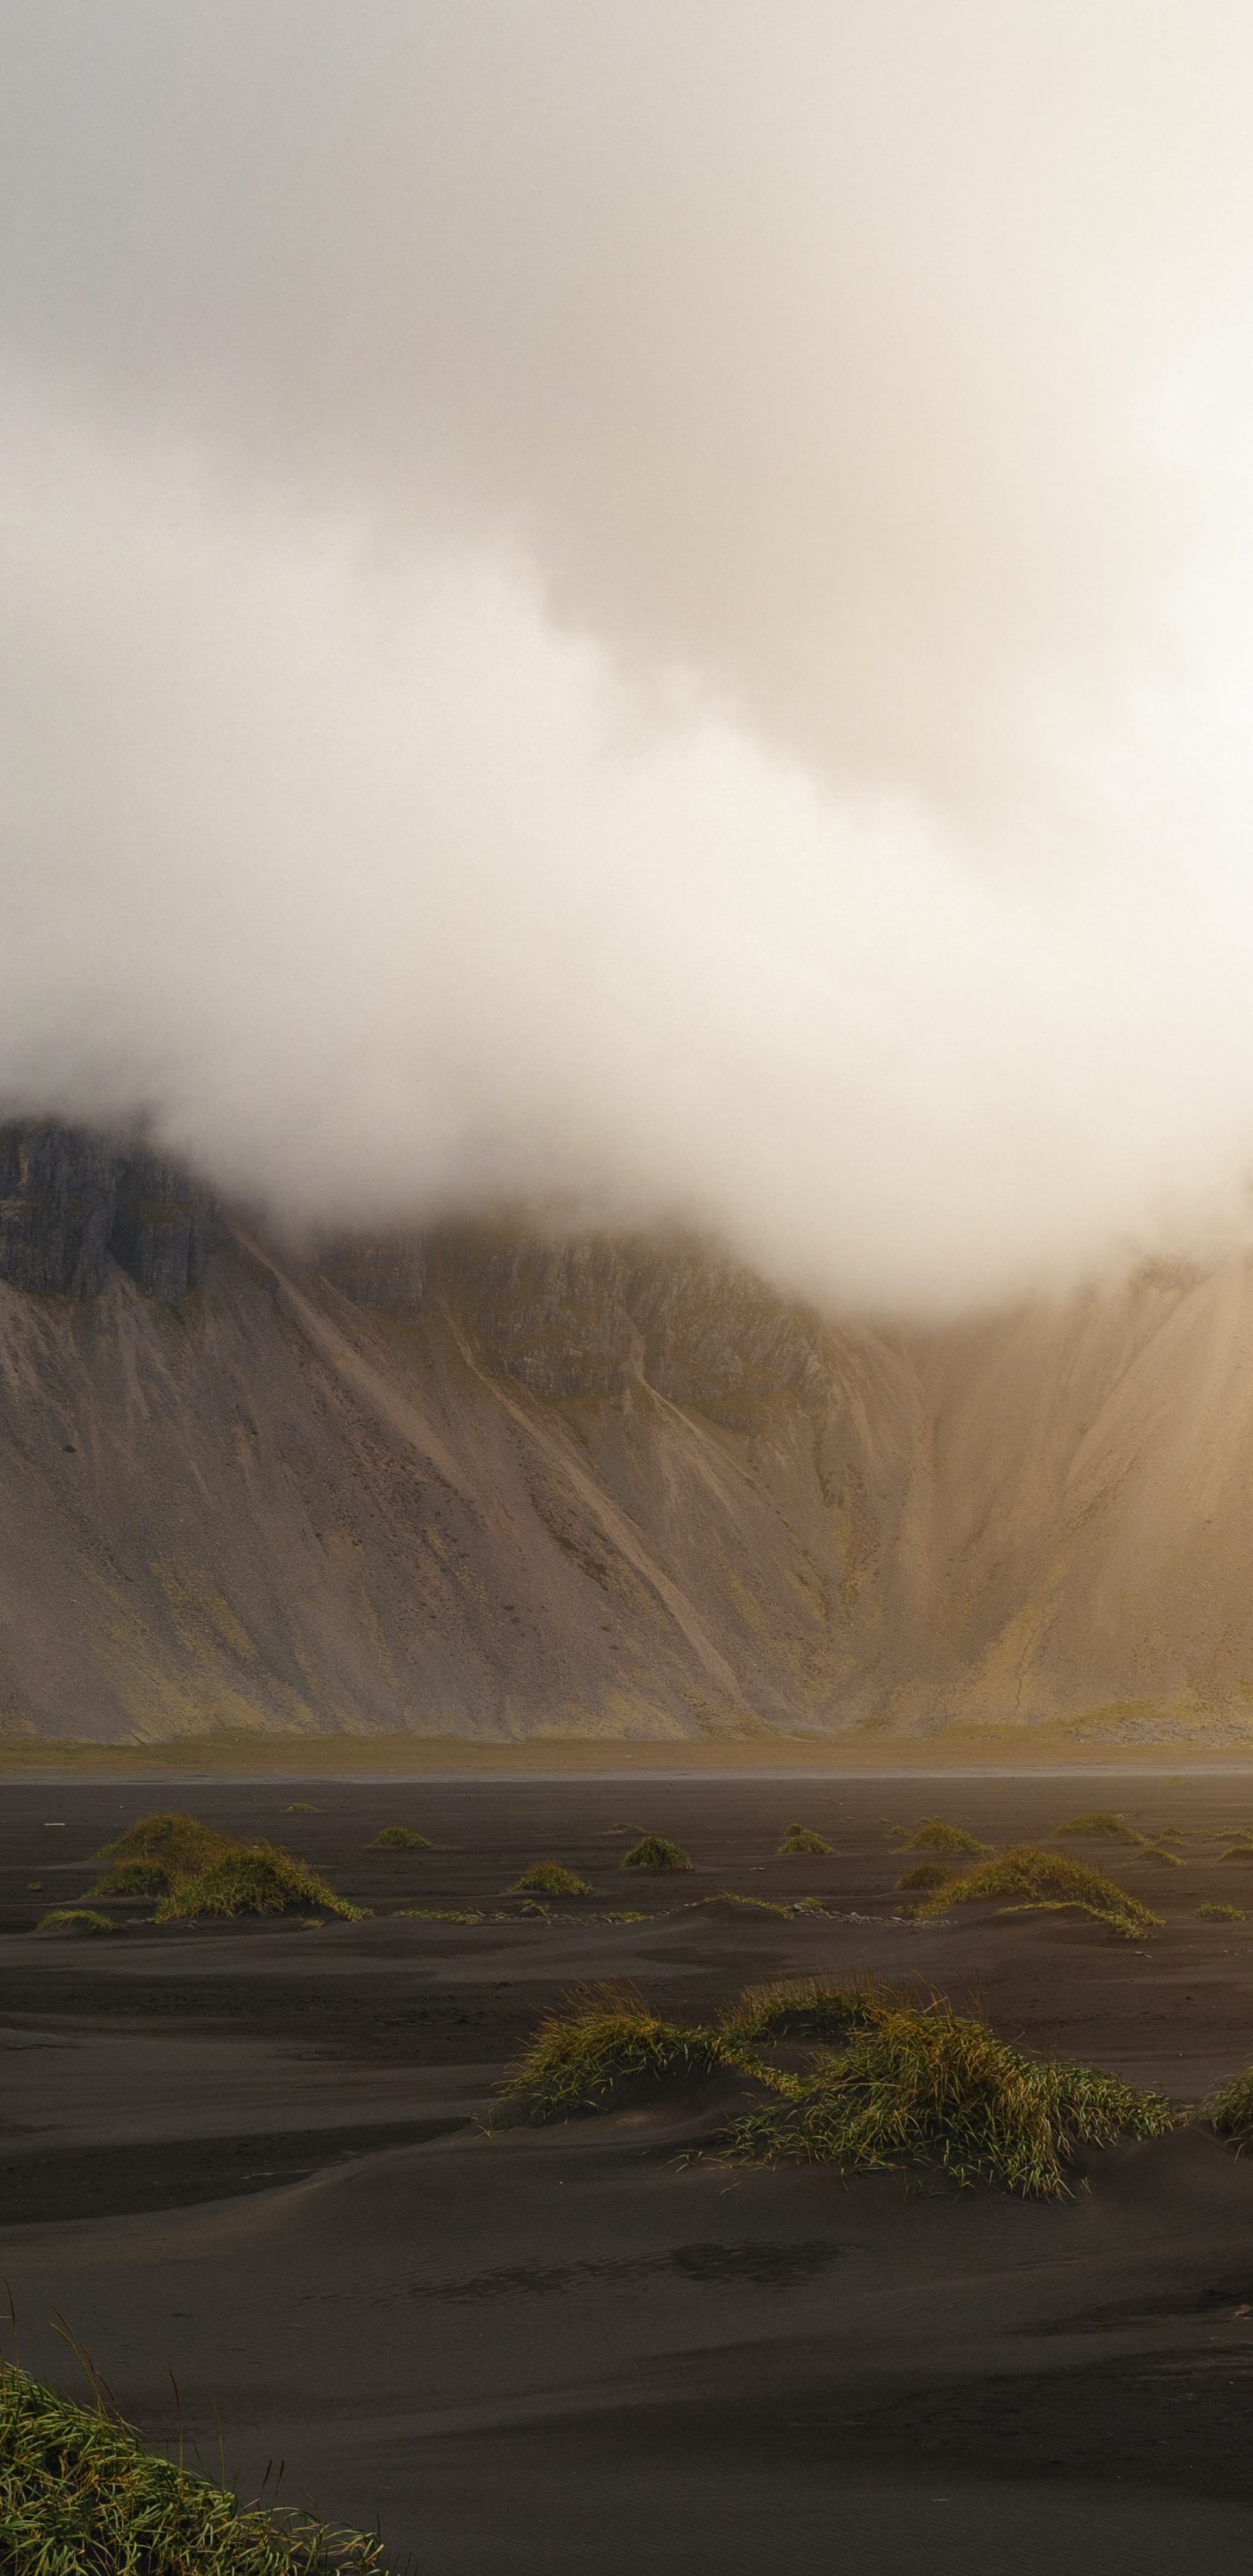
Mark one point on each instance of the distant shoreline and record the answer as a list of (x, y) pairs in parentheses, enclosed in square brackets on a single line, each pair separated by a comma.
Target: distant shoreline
[(971, 1756)]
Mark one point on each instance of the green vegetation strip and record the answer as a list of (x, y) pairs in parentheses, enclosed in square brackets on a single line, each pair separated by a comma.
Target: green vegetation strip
[(438, 1914), (80, 2495), (732, 1907), (894, 2081), (1100, 1828), (800, 1841)]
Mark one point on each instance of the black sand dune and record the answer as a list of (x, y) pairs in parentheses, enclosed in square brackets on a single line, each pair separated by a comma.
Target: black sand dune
[(252, 2156)]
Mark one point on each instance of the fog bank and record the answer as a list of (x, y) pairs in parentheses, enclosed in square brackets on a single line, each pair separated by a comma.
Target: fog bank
[(648, 613)]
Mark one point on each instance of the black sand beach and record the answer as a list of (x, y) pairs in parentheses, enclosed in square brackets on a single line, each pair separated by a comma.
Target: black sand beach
[(249, 2161)]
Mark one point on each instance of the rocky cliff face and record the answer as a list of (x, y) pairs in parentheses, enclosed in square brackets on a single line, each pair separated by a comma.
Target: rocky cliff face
[(70, 1203), (483, 1485)]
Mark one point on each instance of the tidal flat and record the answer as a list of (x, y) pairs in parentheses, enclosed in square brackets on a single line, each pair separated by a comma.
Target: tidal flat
[(250, 2162)]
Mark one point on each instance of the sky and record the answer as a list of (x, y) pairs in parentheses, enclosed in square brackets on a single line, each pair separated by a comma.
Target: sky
[(641, 615)]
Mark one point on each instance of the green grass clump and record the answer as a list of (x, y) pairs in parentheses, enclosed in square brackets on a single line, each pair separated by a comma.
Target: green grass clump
[(1238, 1851), (260, 1881), (934, 1833), (74, 1918), (1050, 1880), (80, 2495), (1100, 1828), (399, 1838), (802, 1840), (729, 1903), (1160, 1852), (605, 2041), (806, 2008), (1230, 2109), (1221, 1913), (550, 1878), (930, 2086), (133, 1878), (928, 1874), (900, 2081), (181, 1845), (654, 1852)]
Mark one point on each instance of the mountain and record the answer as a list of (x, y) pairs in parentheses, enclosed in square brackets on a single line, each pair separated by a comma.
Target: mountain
[(480, 1484)]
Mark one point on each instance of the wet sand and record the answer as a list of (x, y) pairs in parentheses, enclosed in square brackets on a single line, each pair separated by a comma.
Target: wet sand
[(252, 2157)]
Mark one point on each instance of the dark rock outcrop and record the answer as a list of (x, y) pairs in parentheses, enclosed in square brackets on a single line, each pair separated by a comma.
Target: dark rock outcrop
[(57, 1196), (385, 1271), (159, 1227), (71, 1201)]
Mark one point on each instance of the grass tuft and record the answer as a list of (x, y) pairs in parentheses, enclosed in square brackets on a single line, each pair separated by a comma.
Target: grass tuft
[(899, 2082), (1221, 1914), (604, 2041), (181, 1844), (81, 2496), (399, 1838), (133, 1878), (930, 2086), (928, 1874), (802, 1840), (550, 1878), (654, 1852), (1230, 2109), (934, 1833), (1049, 1880), (1102, 1827), (261, 1881), (74, 1918), (1242, 1850), (807, 2008)]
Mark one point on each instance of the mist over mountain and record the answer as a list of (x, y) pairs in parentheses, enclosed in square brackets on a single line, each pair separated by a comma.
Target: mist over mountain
[(643, 613)]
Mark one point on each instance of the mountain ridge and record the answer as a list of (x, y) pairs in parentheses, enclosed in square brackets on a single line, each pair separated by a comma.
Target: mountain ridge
[(479, 1484)]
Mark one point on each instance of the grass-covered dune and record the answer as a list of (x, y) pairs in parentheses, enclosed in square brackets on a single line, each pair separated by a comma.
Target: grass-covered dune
[(894, 2080), (81, 2495), (1035, 1879), (192, 1869), (934, 2086)]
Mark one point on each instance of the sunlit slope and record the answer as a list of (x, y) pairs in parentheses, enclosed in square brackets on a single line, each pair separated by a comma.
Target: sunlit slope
[(617, 1490)]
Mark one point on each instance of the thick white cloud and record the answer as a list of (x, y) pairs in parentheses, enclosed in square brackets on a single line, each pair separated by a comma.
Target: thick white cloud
[(646, 610)]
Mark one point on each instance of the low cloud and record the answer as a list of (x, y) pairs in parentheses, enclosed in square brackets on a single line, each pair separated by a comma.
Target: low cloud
[(648, 614)]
